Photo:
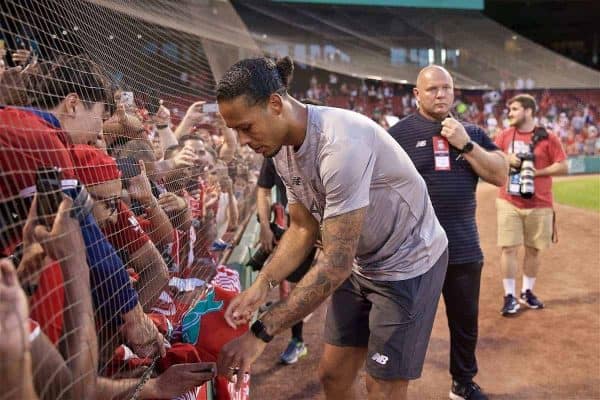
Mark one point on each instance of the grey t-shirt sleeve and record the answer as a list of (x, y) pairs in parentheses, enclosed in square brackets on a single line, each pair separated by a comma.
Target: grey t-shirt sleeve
[(346, 170), (291, 198)]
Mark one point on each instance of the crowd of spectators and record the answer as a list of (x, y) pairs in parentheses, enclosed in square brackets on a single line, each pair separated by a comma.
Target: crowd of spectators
[(114, 221), (572, 115), (107, 285)]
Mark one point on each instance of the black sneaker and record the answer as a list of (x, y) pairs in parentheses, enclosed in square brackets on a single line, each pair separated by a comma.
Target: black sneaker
[(466, 391), (529, 299), (511, 305)]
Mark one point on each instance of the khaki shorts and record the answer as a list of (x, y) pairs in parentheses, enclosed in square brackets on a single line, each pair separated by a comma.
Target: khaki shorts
[(518, 226)]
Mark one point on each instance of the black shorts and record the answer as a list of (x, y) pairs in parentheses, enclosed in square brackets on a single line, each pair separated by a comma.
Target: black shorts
[(299, 273), (393, 319)]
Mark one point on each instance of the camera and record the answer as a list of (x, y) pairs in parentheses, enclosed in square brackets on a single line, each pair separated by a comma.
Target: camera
[(521, 179), (257, 260), (527, 172)]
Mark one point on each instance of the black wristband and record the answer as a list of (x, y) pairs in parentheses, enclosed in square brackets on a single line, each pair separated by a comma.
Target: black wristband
[(467, 148), (162, 126), (259, 330)]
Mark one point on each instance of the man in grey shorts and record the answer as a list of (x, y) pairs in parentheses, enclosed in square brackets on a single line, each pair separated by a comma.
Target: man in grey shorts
[(385, 253)]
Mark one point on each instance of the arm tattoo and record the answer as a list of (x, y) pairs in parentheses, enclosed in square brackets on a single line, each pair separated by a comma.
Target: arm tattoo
[(340, 238)]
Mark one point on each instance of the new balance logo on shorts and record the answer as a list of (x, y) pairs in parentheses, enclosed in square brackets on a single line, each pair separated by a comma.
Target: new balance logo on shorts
[(380, 358)]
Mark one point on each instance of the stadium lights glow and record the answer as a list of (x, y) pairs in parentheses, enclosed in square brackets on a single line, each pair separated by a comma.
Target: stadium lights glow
[(64, 32), (75, 28), (514, 37)]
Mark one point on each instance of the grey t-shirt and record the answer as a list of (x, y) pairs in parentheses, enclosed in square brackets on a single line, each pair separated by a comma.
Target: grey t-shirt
[(347, 162)]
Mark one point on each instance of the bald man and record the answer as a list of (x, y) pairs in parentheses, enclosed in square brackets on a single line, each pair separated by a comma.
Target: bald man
[(452, 156)]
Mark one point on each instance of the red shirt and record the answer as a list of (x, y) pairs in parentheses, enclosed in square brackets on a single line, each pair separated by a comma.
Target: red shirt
[(48, 301), (27, 142), (196, 203), (547, 152), (126, 234)]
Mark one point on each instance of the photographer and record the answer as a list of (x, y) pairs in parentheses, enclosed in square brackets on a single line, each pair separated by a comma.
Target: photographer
[(524, 204)]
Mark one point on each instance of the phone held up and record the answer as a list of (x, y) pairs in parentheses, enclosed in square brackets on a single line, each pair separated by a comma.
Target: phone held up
[(49, 194)]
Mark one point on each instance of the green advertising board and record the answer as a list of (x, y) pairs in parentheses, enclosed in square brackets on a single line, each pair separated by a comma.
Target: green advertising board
[(456, 4)]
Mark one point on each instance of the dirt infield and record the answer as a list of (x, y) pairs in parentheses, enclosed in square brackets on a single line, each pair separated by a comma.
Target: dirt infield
[(547, 354)]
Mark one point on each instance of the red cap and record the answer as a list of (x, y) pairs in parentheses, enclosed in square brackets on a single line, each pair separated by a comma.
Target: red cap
[(93, 166)]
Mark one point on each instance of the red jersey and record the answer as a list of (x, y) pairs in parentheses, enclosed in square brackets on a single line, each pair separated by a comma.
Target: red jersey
[(547, 152), (47, 302), (26, 143), (196, 203), (126, 234)]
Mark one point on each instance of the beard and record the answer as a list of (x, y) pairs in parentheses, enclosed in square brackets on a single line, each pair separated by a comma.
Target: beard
[(517, 122)]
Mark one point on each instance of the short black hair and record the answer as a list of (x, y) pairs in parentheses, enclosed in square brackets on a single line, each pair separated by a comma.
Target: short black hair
[(255, 78), (139, 149), (54, 80)]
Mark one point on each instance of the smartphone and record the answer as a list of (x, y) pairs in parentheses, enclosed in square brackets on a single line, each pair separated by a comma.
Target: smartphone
[(127, 98), (128, 167), (210, 108), (49, 193)]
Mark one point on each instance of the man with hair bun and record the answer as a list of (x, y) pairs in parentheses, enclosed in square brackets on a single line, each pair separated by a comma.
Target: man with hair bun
[(385, 253)]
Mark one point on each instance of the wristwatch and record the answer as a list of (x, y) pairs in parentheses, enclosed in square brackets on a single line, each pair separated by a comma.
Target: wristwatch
[(468, 148), (259, 330)]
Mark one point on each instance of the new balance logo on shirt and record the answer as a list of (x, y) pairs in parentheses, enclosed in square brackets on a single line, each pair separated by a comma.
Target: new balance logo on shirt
[(380, 358), (421, 143)]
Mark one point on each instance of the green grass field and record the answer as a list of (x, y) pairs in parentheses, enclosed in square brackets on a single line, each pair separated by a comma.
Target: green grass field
[(581, 192)]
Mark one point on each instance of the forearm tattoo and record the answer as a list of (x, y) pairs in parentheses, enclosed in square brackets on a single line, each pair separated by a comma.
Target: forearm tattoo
[(340, 238)]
